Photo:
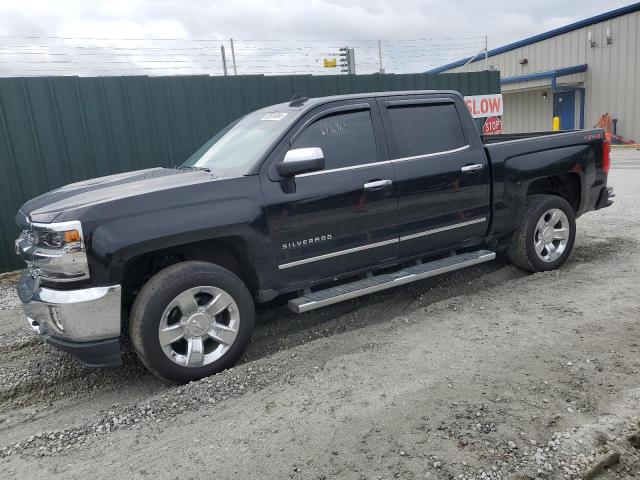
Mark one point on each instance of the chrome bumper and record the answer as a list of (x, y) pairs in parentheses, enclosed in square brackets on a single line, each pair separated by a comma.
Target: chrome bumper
[(86, 315)]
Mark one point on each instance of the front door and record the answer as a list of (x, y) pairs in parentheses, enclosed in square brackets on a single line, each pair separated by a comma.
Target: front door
[(342, 218), (442, 176), (564, 106)]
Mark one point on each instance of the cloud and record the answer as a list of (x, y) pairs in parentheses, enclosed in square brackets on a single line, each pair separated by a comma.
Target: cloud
[(288, 36)]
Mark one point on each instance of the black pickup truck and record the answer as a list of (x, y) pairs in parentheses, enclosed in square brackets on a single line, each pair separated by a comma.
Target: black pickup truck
[(323, 199)]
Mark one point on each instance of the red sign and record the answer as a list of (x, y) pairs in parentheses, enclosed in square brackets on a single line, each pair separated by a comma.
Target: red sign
[(482, 106), (492, 126)]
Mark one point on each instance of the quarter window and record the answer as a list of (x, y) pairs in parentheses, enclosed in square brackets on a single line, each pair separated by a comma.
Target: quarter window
[(424, 129), (347, 139)]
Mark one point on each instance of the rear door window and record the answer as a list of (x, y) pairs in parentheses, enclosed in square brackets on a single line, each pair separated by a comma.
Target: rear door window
[(422, 129)]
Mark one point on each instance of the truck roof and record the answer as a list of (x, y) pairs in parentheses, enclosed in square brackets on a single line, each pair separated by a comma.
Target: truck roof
[(315, 101)]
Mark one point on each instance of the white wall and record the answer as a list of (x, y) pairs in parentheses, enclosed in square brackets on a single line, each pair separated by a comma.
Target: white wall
[(527, 111)]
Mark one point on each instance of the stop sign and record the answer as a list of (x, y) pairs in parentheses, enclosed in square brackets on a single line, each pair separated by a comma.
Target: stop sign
[(492, 125)]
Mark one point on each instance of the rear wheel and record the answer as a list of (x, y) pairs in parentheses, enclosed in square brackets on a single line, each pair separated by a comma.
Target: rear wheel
[(545, 237), (191, 320)]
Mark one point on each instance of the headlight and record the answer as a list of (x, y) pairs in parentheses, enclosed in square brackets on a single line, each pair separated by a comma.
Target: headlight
[(56, 239), (55, 250)]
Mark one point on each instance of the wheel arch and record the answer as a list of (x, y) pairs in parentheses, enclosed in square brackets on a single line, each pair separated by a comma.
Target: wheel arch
[(566, 185), (231, 252)]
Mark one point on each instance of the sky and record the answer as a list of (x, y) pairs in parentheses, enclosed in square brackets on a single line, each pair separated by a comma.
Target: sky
[(68, 37)]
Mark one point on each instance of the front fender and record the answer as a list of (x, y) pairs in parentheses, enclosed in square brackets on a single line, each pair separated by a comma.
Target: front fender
[(119, 231), (115, 243)]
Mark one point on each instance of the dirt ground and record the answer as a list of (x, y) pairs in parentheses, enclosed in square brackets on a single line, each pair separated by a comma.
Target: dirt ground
[(488, 373)]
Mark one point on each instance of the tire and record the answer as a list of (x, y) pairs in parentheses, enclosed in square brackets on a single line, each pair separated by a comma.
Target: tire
[(180, 306), (524, 248)]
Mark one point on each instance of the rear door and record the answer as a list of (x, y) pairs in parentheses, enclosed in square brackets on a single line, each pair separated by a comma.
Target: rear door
[(442, 176), (342, 218)]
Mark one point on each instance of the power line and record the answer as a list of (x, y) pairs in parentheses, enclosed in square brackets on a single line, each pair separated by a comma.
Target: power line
[(273, 57), (210, 58), (41, 37)]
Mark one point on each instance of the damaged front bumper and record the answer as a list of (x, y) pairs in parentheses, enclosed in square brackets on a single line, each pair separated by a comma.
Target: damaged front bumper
[(84, 323)]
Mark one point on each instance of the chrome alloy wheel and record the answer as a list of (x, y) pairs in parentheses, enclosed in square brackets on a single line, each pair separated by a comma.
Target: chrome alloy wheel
[(551, 235), (199, 326)]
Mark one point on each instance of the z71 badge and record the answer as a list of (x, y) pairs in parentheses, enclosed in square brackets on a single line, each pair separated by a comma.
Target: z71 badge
[(306, 241)]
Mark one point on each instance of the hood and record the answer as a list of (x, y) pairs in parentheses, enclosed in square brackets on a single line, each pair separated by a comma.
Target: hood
[(45, 208)]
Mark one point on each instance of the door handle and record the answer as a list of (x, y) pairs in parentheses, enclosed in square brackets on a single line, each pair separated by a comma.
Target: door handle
[(472, 168), (377, 184)]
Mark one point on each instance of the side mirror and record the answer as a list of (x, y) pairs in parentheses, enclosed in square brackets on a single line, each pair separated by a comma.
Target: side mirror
[(301, 160)]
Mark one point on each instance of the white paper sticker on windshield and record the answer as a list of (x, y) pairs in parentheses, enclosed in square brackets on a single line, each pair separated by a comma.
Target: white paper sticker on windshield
[(274, 116)]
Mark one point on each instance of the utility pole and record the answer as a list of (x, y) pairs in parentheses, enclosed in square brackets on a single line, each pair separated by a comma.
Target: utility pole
[(224, 60), (347, 60), (352, 62), (486, 52), (380, 56), (233, 57)]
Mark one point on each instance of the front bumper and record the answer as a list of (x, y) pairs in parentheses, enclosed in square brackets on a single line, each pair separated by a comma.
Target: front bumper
[(84, 323)]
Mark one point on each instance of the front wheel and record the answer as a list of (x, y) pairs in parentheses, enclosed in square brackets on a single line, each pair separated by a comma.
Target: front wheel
[(545, 237), (191, 320)]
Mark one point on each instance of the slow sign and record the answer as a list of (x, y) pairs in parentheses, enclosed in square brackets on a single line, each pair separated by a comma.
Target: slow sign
[(481, 106), (492, 126)]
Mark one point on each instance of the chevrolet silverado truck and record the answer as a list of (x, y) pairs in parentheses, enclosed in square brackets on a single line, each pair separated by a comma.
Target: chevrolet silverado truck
[(322, 200)]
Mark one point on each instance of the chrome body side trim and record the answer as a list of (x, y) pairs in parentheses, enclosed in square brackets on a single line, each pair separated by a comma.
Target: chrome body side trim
[(341, 169), (427, 155), (443, 229), (337, 254), (365, 165), (84, 315), (380, 244)]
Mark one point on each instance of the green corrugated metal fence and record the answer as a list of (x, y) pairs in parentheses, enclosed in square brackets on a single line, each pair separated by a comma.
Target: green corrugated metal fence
[(58, 130)]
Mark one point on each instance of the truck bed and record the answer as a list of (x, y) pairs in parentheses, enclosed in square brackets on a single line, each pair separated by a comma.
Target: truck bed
[(575, 157)]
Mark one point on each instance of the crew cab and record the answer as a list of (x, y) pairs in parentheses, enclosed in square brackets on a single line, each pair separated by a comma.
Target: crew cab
[(321, 199)]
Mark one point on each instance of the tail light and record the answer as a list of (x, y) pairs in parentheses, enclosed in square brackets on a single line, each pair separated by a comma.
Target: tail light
[(606, 156)]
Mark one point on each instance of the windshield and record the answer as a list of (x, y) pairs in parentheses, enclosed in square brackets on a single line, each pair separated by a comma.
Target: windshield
[(234, 151)]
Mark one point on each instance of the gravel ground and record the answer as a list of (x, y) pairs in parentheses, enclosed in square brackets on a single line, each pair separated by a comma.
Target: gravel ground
[(488, 373), (8, 298)]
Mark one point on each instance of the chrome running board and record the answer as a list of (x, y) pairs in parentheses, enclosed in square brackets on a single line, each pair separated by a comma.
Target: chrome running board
[(377, 283)]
